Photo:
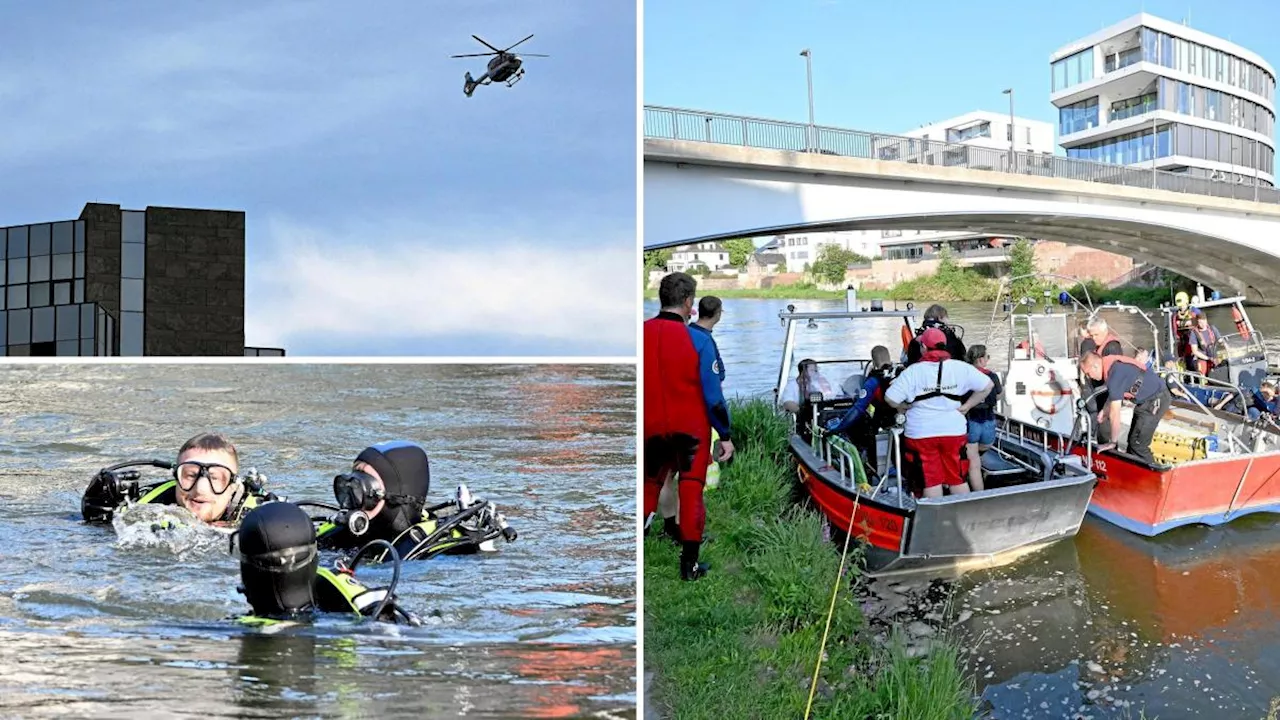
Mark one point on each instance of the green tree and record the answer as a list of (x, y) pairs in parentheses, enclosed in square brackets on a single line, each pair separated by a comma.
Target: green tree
[(740, 249), (947, 265), (782, 266), (832, 261), (657, 259), (698, 269), (1022, 261)]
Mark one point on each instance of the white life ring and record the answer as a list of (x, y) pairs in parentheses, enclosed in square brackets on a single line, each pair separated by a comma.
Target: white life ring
[(1052, 396)]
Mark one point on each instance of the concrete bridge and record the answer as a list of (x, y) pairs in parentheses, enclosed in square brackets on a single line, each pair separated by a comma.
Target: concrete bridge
[(710, 188)]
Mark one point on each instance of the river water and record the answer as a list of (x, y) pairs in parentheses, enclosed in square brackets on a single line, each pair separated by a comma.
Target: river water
[(103, 625), (1106, 625)]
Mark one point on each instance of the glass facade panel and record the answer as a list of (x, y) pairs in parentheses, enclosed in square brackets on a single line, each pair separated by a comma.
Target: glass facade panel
[(133, 226), (68, 327), (79, 292), (1078, 117), (86, 321), (38, 294), (62, 238), (79, 235), (19, 350), (42, 325), (62, 293), (131, 260), (40, 268), (1072, 70), (79, 264), (62, 267), (86, 347), (131, 334), (17, 270), (67, 347), (17, 297), (18, 242), (19, 327), (39, 240), (131, 295), (1195, 59)]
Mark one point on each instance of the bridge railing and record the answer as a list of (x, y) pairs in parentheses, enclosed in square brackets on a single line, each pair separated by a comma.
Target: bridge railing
[(678, 124)]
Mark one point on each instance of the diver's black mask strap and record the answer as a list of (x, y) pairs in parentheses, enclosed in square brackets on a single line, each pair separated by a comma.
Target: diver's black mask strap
[(277, 561)]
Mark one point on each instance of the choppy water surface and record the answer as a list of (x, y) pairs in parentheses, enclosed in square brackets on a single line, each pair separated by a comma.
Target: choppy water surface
[(101, 625), (1107, 625)]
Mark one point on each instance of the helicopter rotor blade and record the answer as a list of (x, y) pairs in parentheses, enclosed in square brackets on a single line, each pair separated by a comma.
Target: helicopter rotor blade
[(473, 55), (509, 49), (482, 42), (525, 55)]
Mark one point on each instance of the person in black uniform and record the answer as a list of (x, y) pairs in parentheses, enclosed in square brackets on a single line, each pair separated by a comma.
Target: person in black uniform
[(1128, 379)]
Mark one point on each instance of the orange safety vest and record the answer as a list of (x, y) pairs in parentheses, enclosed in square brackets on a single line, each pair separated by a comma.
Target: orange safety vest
[(1109, 361)]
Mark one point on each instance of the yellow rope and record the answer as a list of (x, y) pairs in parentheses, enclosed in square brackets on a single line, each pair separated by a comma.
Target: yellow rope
[(835, 591)]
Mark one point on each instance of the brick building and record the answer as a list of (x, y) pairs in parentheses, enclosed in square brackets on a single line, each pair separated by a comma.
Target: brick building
[(160, 281)]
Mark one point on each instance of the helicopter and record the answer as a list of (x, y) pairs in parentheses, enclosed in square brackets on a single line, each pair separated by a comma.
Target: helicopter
[(504, 67)]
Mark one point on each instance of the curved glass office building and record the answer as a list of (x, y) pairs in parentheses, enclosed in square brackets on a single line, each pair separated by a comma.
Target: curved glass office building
[(1147, 91)]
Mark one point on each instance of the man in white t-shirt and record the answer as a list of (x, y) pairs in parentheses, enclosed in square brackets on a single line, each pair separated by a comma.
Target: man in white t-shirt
[(932, 394), (813, 381)]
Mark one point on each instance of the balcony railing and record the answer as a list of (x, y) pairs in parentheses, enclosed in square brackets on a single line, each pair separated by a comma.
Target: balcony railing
[(677, 124), (1131, 111)]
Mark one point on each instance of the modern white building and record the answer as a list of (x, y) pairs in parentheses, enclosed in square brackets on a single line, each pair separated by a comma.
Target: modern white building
[(1147, 90), (711, 255), (988, 129)]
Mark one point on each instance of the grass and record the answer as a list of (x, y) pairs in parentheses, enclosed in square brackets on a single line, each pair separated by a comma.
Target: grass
[(742, 642)]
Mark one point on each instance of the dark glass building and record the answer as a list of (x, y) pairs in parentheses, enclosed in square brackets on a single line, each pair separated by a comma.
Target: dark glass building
[(160, 281)]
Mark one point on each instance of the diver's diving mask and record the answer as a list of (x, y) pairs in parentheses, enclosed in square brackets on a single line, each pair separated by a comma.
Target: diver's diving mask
[(188, 474), (357, 491)]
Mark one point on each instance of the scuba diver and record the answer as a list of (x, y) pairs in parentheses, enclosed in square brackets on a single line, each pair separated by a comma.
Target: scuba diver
[(205, 480), (935, 317), (384, 497), (870, 414), (282, 580)]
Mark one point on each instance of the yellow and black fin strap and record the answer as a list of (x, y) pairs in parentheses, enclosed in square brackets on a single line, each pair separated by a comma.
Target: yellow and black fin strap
[(157, 491)]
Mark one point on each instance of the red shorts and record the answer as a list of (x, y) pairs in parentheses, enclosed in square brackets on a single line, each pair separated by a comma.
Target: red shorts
[(938, 458)]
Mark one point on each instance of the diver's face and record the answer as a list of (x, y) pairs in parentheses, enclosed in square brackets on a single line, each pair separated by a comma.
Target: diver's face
[(367, 469), (201, 499), (1268, 394), (1097, 336)]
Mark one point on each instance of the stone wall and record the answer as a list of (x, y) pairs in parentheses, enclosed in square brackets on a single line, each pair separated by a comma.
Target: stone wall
[(1079, 262), (102, 257), (195, 282)]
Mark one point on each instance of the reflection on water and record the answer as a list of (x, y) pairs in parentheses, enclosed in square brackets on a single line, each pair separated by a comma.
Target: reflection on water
[(118, 626), (1108, 624)]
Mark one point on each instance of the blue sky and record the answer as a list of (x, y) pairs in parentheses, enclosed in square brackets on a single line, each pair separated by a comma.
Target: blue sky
[(386, 212), (893, 66)]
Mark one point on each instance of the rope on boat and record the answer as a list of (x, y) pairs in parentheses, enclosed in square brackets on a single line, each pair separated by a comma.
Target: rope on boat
[(835, 591)]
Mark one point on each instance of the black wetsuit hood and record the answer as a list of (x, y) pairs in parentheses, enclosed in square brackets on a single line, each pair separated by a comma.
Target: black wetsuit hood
[(278, 560), (406, 474)]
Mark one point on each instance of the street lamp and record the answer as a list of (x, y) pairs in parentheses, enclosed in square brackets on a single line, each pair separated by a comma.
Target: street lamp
[(808, 66), (1009, 92)]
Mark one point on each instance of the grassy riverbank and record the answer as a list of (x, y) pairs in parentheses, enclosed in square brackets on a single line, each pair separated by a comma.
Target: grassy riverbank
[(742, 642)]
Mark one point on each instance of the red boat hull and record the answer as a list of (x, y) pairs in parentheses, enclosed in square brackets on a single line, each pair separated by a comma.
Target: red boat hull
[(882, 526), (1148, 501)]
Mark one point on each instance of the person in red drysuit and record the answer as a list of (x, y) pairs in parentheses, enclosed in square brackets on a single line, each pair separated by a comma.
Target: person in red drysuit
[(677, 432)]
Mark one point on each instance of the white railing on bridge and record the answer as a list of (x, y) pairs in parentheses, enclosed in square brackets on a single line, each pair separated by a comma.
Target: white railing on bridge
[(679, 124)]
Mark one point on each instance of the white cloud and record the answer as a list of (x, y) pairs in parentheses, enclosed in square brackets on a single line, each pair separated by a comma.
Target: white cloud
[(383, 281)]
